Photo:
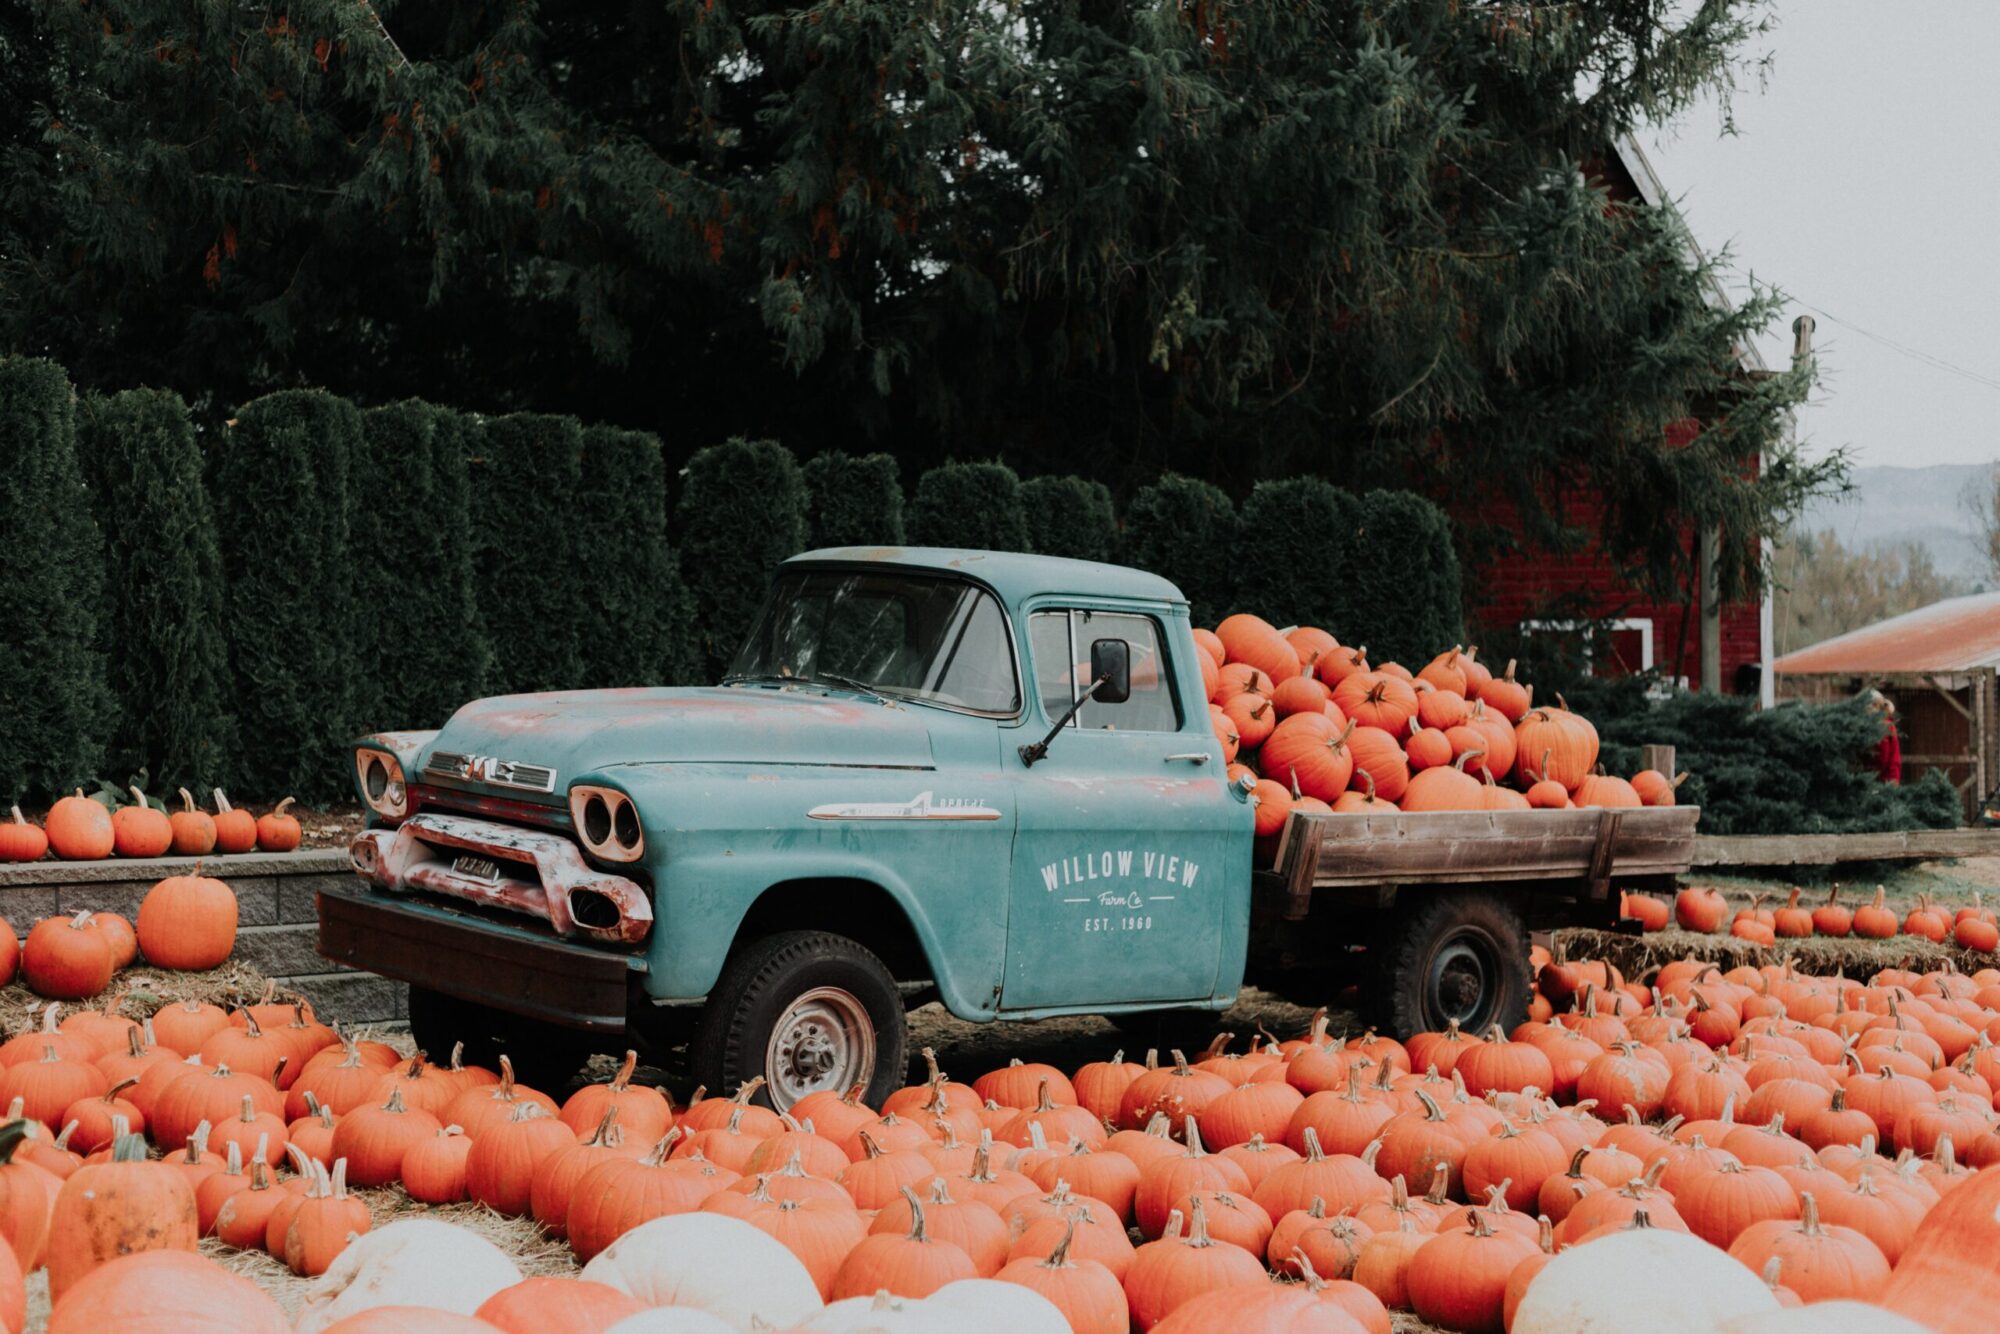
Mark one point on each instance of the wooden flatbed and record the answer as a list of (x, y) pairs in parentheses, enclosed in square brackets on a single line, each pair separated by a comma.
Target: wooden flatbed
[(1578, 853)]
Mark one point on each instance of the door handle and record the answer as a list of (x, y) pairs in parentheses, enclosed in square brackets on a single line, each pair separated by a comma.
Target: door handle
[(1192, 757)]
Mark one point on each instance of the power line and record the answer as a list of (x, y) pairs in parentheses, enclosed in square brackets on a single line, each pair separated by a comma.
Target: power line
[(1916, 354)]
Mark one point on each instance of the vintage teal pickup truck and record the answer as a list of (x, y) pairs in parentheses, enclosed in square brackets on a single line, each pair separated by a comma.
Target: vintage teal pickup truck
[(978, 778)]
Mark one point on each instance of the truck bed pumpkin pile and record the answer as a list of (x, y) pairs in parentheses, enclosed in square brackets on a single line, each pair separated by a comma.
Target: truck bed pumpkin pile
[(1741, 1142), (1318, 728)]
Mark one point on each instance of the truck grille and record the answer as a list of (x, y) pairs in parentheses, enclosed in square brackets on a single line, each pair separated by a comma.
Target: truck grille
[(492, 771)]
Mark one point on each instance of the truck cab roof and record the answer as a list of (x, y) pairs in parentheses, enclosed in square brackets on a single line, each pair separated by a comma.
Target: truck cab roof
[(1014, 576)]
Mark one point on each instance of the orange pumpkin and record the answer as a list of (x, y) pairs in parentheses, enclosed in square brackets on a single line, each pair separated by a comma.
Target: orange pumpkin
[(277, 831), (66, 958), (188, 922), (193, 829), (534, 1305), (139, 830), (79, 829), (21, 841), (324, 1220), (115, 1208), (235, 831)]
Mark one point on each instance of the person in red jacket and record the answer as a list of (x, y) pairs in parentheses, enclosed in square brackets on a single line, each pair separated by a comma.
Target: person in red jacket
[(1889, 751)]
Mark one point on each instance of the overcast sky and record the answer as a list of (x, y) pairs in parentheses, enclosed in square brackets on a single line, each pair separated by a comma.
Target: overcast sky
[(1864, 180)]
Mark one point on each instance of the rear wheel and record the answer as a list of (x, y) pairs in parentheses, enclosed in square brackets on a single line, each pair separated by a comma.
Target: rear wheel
[(1452, 955), (808, 1011), (544, 1056)]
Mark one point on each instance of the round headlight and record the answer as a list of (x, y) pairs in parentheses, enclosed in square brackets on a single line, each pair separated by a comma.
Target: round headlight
[(375, 777), (596, 820), (625, 824)]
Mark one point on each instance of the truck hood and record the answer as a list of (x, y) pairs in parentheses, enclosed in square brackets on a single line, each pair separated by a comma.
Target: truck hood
[(579, 731)]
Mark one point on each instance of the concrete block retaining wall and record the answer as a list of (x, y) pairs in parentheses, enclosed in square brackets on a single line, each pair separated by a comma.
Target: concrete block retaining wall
[(277, 924)]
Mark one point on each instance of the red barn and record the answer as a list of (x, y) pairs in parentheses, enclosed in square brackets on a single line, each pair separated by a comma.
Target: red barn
[(1673, 637)]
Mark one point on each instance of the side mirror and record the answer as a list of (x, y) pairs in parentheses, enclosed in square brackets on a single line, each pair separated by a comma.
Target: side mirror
[(1111, 664)]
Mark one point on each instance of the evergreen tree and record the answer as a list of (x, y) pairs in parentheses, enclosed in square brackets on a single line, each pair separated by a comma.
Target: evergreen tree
[(281, 491), (742, 510), (165, 639), (58, 709), (636, 626), (976, 505), (852, 501), (1068, 516), (1378, 243), (421, 641), (526, 471), (1186, 531)]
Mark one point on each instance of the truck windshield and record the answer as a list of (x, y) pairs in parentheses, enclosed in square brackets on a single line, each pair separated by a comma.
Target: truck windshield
[(909, 636)]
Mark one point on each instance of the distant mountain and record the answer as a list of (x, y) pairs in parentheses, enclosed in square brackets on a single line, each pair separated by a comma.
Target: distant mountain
[(1889, 506)]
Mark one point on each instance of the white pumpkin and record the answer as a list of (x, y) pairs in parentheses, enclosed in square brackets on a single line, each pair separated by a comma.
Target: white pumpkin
[(883, 1314), (1823, 1318), (414, 1262), (671, 1320), (1649, 1281), (712, 1263), (977, 1305)]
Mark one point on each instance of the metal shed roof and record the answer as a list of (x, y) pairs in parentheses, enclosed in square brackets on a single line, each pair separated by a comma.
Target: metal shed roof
[(1949, 636)]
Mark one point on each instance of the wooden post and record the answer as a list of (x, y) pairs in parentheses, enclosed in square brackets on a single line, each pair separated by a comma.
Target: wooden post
[(1660, 758)]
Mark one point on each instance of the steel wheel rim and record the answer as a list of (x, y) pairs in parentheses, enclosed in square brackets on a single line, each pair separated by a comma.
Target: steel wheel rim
[(1459, 983), (823, 1041)]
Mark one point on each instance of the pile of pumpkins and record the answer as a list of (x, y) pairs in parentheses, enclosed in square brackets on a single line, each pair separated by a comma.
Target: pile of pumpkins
[(186, 923), (1315, 727), (81, 829), (1703, 909), (1735, 1144)]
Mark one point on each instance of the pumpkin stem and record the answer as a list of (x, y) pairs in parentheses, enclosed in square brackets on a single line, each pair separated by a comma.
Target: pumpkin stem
[(279, 809), (917, 1232), (221, 802), (605, 1125), (748, 1090)]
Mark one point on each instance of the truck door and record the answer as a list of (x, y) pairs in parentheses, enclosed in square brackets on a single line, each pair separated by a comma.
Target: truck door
[(1121, 887)]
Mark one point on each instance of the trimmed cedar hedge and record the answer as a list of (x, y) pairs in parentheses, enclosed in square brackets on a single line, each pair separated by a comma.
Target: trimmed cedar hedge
[(637, 620), (1183, 530), (281, 496), (1402, 581), (974, 505), (1068, 516), (742, 510), (420, 644), (168, 665), (57, 708), (526, 472), (853, 502)]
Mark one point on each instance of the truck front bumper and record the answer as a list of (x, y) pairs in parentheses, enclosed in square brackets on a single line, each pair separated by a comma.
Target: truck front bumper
[(507, 968), (504, 866)]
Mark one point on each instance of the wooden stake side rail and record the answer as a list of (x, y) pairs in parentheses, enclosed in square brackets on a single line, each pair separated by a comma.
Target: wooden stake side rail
[(1336, 852)]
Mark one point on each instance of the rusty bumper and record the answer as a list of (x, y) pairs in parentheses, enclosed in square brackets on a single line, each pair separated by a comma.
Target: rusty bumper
[(484, 962), (504, 866)]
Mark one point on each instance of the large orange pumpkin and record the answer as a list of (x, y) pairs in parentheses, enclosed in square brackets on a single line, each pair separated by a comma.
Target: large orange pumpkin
[(1312, 748), (80, 830), (159, 1289), (575, 1304), (116, 1208), (1564, 744), (1253, 640), (188, 922), (1377, 754)]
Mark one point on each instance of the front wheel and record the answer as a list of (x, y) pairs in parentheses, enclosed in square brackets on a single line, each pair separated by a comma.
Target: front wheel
[(808, 1011), (1451, 955)]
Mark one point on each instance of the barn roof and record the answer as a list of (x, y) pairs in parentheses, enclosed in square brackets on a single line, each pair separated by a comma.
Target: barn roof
[(1948, 636)]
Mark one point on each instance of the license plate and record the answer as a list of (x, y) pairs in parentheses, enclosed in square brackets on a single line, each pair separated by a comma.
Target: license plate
[(481, 867)]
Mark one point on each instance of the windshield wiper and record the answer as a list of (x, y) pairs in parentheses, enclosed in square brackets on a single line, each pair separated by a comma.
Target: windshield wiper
[(851, 684), (735, 677)]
